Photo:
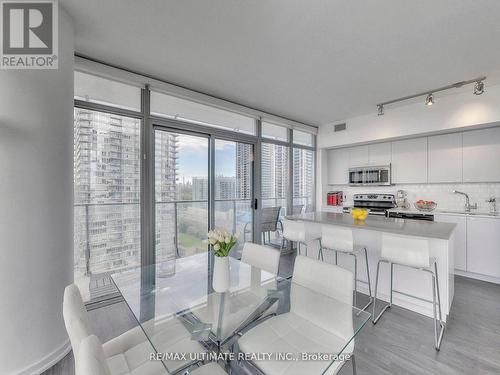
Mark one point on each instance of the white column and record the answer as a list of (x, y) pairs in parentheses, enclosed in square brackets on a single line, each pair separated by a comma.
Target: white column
[(36, 210)]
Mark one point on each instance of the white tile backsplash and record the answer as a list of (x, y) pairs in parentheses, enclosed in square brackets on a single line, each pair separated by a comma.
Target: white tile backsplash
[(439, 193)]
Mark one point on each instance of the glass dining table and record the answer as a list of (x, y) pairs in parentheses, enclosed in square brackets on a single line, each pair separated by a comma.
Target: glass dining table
[(180, 313)]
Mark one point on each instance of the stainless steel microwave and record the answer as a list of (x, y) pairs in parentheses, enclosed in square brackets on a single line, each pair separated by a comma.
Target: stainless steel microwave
[(370, 175)]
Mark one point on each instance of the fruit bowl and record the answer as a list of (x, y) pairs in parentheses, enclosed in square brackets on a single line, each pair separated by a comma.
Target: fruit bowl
[(359, 213), (427, 206)]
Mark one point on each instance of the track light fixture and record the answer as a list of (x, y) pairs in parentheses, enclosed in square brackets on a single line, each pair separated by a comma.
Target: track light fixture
[(479, 88), (429, 100)]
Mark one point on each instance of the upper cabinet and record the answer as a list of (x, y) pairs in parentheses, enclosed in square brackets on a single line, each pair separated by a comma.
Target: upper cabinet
[(374, 154), (481, 155), (445, 158), (379, 153), (471, 156), (409, 161), (358, 156), (338, 166)]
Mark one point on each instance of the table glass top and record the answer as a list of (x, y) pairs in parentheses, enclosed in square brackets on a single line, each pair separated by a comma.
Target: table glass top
[(175, 299)]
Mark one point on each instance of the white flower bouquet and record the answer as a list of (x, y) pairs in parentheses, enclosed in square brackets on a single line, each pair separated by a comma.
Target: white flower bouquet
[(222, 242)]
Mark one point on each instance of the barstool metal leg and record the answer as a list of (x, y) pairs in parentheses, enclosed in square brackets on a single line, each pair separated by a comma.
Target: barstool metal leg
[(437, 337), (368, 275), (320, 252), (392, 278), (336, 258), (376, 318), (370, 298), (355, 279), (353, 360)]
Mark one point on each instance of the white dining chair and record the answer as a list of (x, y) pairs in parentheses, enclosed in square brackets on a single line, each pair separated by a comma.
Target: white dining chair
[(413, 253), (320, 320), (340, 240), (296, 231), (263, 257), (130, 351), (92, 361), (267, 259)]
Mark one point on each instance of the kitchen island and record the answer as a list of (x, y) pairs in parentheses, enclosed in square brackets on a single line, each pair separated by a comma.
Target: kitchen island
[(412, 288)]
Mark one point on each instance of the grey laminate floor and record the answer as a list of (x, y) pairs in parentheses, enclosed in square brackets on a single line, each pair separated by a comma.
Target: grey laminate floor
[(400, 343)]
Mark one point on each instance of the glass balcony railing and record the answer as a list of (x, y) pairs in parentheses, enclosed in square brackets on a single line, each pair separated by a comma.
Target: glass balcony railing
[(108, 235)]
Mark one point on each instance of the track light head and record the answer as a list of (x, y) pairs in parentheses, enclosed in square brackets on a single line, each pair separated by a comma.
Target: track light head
[(478, 88), (380, 108), (430, 99)]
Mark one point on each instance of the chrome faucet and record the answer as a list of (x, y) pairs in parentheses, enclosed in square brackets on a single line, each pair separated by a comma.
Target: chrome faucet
[(468, 206)]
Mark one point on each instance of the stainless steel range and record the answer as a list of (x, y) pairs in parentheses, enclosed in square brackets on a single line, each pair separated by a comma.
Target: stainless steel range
[(377, 204)]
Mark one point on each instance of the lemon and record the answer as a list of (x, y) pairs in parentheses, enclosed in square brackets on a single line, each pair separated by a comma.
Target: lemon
[(359, 214)]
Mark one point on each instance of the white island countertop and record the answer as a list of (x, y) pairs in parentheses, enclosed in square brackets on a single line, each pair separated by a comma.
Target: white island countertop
[(416, 228)]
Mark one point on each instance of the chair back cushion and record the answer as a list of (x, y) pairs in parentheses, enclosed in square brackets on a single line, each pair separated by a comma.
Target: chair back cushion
[(91, 359), (409, 251), (337, 238), (75, 317), (313, 280), (294, 230), (263, 257), (324, 278)]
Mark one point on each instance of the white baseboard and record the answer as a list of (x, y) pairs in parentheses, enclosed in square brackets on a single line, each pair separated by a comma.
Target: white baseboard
[(48, 361), (478, 276)]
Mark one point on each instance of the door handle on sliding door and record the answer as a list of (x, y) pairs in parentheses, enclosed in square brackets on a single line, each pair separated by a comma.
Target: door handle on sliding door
[(255, 204)]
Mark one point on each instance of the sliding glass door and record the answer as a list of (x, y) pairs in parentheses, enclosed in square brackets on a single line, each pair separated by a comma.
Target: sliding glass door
[(233, 189), (187, 189), (181, 194)]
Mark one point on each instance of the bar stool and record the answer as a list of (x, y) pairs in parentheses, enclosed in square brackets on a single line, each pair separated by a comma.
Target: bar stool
[(295, 231), (340, 240), (413, 253)]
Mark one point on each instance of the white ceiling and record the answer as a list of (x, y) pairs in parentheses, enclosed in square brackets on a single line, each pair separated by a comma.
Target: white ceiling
[(310, 60)]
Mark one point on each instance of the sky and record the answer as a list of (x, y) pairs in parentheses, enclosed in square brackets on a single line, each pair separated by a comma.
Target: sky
[(193, 157)]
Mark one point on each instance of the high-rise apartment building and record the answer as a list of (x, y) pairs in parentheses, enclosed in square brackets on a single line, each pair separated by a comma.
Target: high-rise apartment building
[(107, 191), (167, 191), (274, 174), (303, 174), (244, 171)]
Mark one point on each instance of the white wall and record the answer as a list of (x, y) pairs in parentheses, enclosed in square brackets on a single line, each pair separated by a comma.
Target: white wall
[(36, 217), (449, 113)]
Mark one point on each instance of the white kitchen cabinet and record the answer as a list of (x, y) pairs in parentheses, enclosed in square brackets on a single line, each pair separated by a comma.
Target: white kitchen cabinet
[(445, 158), (409, 161), (483, 245), (460, 248), (338, 166), (358, 156), (481, 155), (379, 153)]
